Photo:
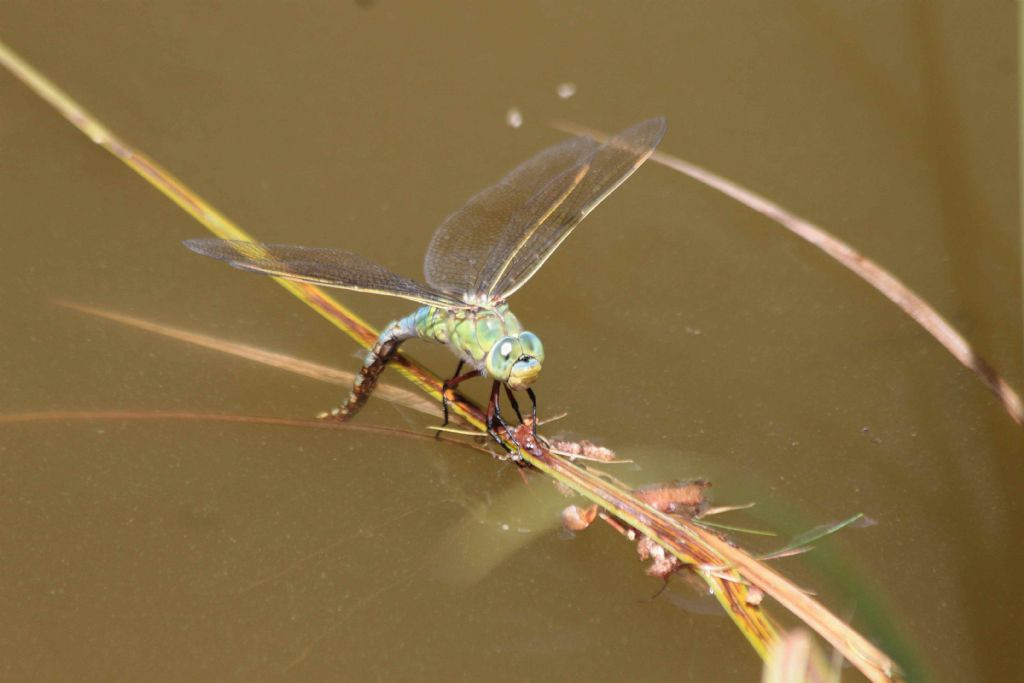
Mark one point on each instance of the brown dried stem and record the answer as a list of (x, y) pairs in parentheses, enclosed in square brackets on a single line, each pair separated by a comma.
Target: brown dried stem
[(885, 282)]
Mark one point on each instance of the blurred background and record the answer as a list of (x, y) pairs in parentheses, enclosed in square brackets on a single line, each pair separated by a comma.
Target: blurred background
[(686, 332)]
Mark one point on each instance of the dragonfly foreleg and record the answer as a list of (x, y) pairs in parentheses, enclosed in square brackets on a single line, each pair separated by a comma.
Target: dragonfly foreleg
[(494, 418), (515, 407), (514, 402), (533, 411), (384, 349)]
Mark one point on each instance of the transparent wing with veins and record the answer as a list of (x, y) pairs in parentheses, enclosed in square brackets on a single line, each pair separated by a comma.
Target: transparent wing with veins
[(321, 266), (490, 247), (493, 245)]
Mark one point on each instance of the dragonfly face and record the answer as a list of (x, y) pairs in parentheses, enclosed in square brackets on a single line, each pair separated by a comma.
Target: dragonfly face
[(516, 361)]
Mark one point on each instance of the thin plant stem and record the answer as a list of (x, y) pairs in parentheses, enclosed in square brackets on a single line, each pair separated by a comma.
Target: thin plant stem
[(881, 279)]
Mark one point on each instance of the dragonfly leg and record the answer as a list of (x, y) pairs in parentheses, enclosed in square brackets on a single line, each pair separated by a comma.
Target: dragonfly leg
[(533, 400), (450, 384), (377, 359), (444, 391), (514, 402), (533, 414), (495, 420)]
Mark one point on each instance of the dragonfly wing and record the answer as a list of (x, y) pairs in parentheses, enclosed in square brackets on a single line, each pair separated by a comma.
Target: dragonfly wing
[(542, 223), (465, 243), (327, 267)]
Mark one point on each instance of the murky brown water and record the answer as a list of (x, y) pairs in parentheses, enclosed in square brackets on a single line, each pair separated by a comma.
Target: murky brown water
[(681, 329)]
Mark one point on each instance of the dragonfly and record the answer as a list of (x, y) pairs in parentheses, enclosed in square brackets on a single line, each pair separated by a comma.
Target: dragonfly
[(479, 256)]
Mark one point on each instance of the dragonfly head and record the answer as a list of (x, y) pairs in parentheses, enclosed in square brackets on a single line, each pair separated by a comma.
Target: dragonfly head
[(516, 361)]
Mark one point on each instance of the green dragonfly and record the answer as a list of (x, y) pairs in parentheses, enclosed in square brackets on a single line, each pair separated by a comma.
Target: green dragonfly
[(477, 258)]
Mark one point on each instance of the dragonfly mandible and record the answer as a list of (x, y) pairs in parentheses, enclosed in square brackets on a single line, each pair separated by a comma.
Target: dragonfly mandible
[(479, 256)]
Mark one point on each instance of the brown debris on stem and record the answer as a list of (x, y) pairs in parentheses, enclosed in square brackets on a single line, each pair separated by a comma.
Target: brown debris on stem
[(583, 450), (685, 498), (575, 518)]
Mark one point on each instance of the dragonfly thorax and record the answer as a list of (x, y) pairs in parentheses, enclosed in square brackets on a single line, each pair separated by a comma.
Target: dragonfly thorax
[(490, 338)]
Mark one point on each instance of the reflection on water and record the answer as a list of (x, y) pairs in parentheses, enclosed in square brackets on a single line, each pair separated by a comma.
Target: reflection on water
[(232, 552)]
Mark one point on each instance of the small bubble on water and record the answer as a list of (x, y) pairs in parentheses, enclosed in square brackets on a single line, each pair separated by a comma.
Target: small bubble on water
[(514, 117), (566, 90)]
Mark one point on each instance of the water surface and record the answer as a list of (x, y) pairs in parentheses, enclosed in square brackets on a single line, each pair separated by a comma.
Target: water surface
[(681, 329)]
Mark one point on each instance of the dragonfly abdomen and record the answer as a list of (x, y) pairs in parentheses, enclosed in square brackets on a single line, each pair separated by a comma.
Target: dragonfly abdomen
[(382, 351)]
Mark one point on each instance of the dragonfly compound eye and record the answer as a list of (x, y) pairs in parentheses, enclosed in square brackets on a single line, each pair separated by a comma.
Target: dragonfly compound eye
[(531, 346), (503, 355)]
